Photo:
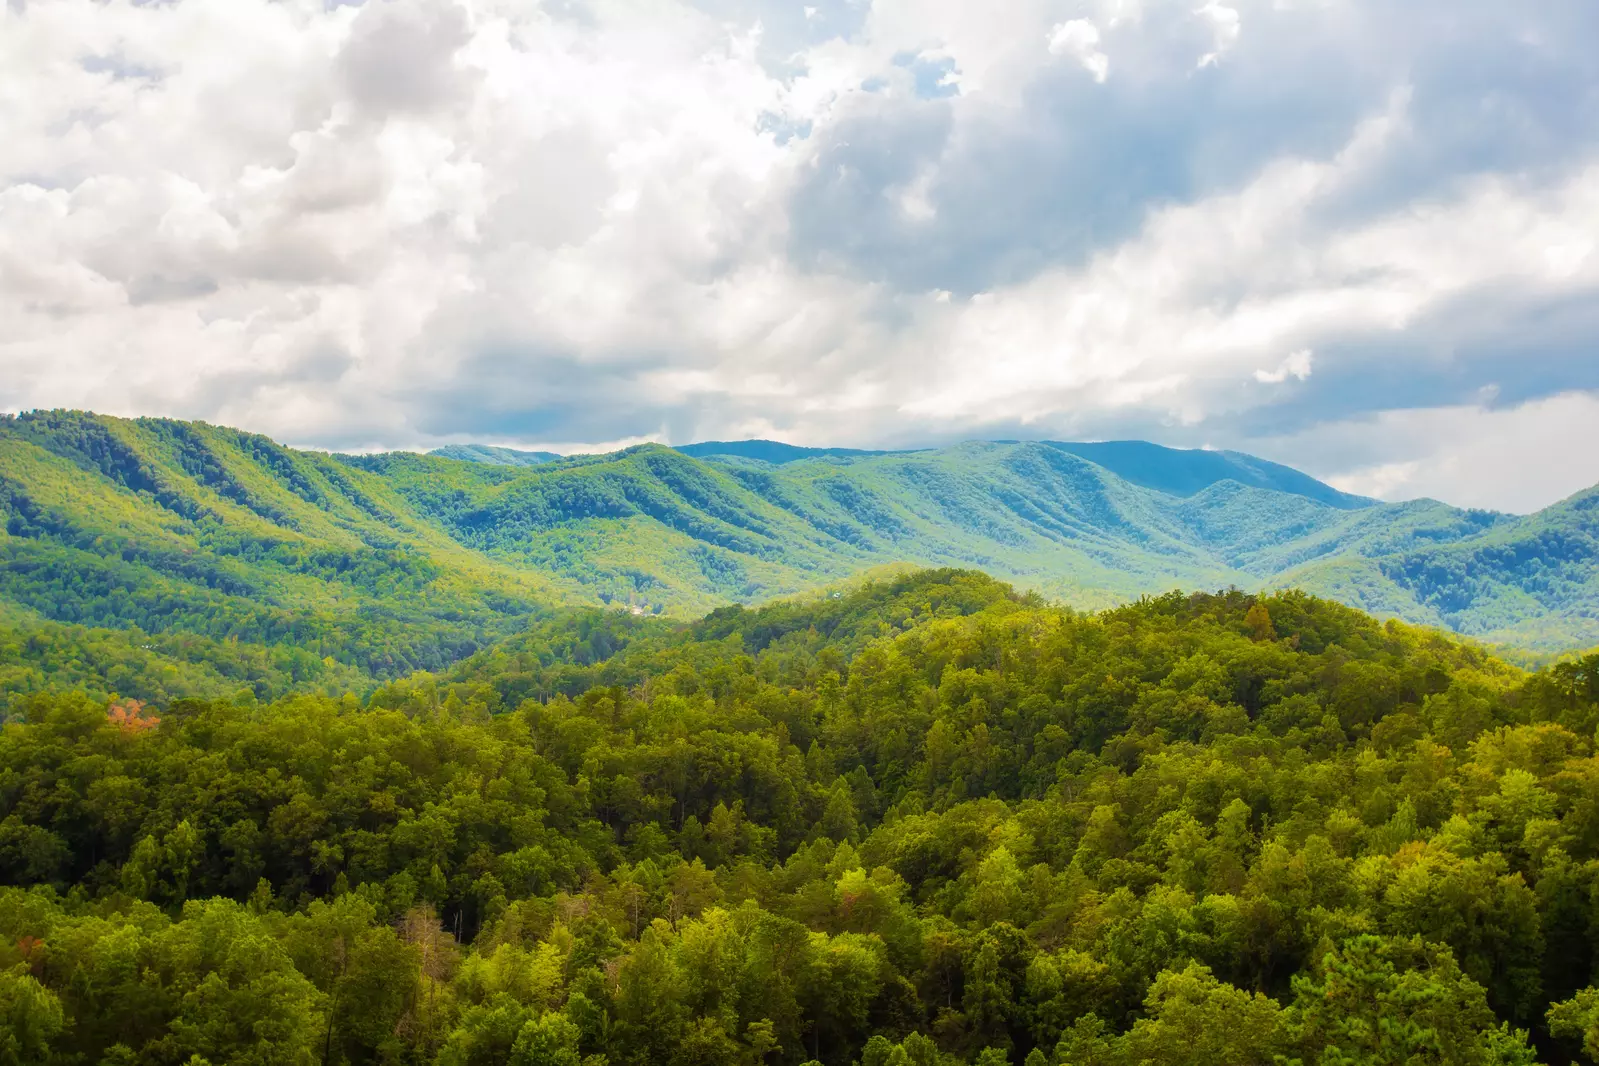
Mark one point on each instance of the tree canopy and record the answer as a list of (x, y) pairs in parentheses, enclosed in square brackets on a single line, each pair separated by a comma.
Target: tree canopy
[(928, 821)]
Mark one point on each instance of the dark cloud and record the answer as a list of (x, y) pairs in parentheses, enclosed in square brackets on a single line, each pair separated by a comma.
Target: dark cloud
[(1489, 90), (1486, 348), (869, 223), (1078, 165), (400, 55), (524, 391), (844, 214)]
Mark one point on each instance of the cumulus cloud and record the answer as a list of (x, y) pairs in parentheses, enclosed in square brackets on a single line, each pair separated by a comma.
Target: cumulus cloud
[(400, 58), (405, 222), (1079, 38), (1515, 459), (1296, 366), (1225, 26)]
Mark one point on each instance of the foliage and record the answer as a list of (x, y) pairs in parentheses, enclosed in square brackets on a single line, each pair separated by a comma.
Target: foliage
[(176, 533), (381, 565), (929, 821)]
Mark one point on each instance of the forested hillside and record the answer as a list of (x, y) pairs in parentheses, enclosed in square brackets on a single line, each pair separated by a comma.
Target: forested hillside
[(181, 536), (1533, 582), (928, 821), (137, 548)]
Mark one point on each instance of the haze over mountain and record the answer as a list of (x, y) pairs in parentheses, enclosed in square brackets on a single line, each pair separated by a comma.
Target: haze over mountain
[(179, 527), (487, 453)]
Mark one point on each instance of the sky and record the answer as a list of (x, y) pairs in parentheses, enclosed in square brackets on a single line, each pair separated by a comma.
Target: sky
[(1354, 236)]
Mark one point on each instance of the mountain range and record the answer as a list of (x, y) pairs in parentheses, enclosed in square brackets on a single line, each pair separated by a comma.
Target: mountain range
[(333, 565)]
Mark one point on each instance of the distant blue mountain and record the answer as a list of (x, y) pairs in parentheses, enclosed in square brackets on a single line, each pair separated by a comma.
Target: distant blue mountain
[(1174, 471), (1089, 524), (492, 456), (1184, 472), (770, 451)]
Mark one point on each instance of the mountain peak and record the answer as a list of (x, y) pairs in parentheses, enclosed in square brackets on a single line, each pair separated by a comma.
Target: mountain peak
[(493, 456), (1187, 471), (771, 451), (437, 553), (1181, 472)]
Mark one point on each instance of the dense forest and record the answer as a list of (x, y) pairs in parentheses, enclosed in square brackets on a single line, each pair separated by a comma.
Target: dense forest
[(391, 563), (924, 821)]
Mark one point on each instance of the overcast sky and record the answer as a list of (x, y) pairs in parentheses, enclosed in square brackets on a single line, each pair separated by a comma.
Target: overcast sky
[(1356, 236)]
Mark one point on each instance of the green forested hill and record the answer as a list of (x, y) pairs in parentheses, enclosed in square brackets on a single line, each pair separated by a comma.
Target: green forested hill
[(178, 532), (1529, 582), (1184, 473), (925, 822), (483, 453), (133, 547), (654, 525), (434, 771), (1091, 524)]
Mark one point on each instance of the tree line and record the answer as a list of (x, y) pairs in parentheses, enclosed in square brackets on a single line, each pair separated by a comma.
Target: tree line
[(926, 822)]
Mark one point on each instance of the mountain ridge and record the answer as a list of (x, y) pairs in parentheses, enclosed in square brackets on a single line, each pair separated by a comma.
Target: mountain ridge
[(168, 526), (1175, 471), (493, 455), (1186, 471), (775, 452)]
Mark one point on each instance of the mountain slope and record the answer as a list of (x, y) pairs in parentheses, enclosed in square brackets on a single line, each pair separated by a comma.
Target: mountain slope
[(1183, 472), (183, 527), (394, 561), (767, 451), (654, 524), (486, 453), (922, 821), (1089, 523), (1531, 582)]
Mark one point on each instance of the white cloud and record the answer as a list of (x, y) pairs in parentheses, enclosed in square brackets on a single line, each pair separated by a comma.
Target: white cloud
[(1296, 366), (1517, 459), (1143, 326), (1079, 38), (914, 199), (1385, 481), (1225, 25), (417, 220)]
